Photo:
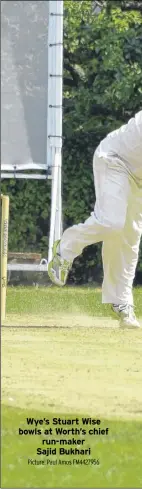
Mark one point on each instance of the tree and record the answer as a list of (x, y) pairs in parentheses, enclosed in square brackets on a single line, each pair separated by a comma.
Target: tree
[(102, 90), (125, 5)]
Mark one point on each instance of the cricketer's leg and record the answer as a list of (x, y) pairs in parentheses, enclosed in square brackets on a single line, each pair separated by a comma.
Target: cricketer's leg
[(112, 190), (120, 265)]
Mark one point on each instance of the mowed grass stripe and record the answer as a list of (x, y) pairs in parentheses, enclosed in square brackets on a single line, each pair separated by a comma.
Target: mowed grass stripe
[(54, 300), (119, 455), (82, 369)]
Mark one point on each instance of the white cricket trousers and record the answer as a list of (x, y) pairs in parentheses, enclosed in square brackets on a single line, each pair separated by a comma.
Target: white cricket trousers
[(117, 222)]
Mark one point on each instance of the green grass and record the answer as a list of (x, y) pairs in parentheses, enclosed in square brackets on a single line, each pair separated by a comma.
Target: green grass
[(37, 304), (78, 362), (119, 456)]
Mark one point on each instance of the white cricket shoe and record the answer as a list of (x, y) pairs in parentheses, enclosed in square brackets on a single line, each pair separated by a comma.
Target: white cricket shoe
[(126, 315), (58, 268)]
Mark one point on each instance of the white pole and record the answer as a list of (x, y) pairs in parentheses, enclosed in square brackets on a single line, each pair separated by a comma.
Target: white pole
[(58, 219), (55, 117), (49, 84), (53, 206)]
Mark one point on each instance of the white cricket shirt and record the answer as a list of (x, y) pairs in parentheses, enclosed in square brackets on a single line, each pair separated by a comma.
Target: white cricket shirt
[(126, 143)]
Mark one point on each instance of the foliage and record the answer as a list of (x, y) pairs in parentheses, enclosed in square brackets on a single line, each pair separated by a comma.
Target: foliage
[(102, 90), (103, 80), (125, 5), (29, 214)]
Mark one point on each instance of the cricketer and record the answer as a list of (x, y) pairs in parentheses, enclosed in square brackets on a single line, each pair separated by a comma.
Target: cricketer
[(116, 220)]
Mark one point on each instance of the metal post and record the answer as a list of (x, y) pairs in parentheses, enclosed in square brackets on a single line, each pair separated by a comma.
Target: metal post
[(54, 119)]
